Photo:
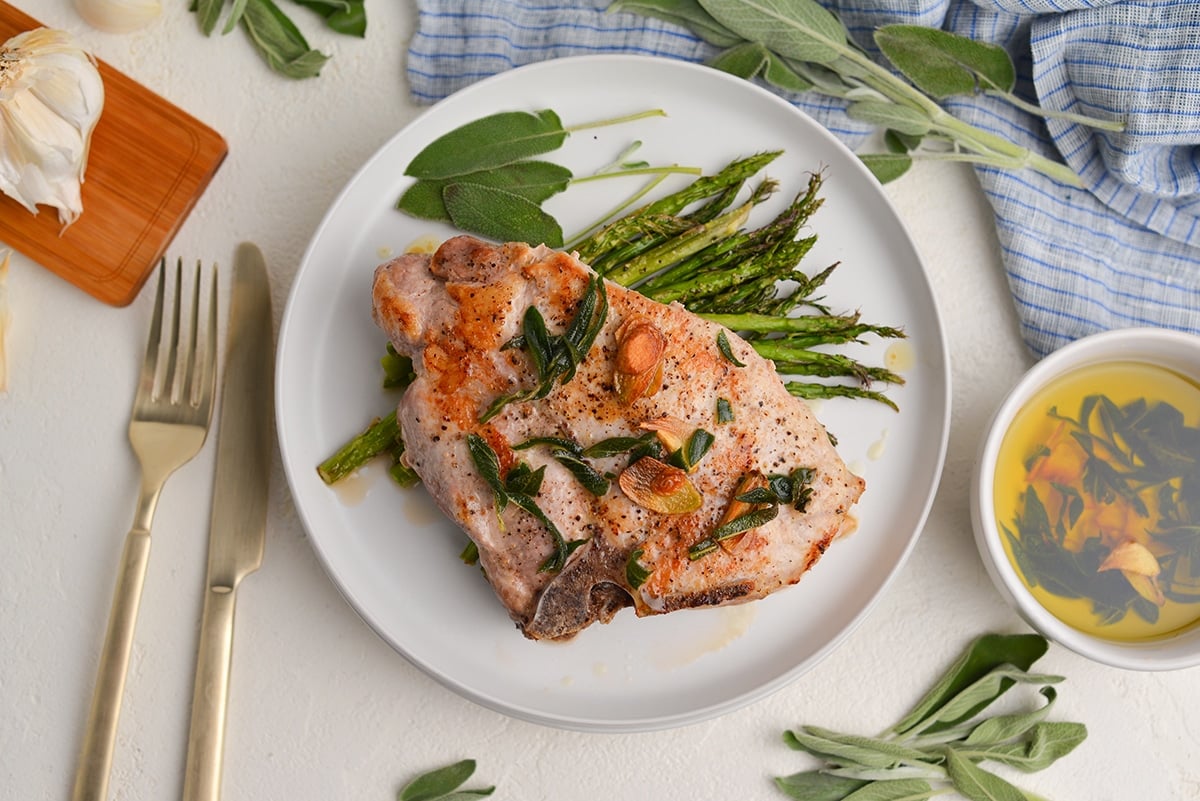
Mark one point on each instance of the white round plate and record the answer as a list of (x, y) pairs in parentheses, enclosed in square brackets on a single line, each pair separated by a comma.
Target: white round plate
[(396, 559)]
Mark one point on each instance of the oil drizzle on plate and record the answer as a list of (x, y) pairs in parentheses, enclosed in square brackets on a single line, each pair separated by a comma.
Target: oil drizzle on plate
[(731, 623)]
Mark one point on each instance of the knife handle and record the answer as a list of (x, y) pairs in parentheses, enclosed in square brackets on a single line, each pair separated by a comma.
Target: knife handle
[(100, 736), (206, 735)]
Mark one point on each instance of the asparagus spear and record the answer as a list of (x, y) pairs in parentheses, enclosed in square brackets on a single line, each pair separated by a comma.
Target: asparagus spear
[(629, 227), (381, 435)]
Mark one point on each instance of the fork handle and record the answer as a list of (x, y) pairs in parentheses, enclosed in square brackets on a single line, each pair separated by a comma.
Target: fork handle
[(99, 741), (206, 733)]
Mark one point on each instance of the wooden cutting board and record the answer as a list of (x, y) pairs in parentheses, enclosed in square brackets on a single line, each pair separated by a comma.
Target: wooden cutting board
[(149, 163)]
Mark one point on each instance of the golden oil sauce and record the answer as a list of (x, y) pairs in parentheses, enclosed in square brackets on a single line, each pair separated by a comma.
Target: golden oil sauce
[(1038, 452)]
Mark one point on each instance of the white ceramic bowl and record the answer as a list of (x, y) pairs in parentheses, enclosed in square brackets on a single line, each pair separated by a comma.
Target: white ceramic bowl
[(1177, 351)]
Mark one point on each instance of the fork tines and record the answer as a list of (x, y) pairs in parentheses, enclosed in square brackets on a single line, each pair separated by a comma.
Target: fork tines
[(177, 379)]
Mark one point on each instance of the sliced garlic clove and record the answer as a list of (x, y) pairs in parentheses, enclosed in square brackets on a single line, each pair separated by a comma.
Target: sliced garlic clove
[(118, 16), (1132, 557), (659, 487)]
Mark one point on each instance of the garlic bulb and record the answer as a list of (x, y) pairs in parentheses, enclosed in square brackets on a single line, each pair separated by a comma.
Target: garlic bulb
[(51, 95), (118, 16)]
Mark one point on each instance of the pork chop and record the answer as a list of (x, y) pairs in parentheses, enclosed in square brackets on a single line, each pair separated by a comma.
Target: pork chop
[(462, 314)]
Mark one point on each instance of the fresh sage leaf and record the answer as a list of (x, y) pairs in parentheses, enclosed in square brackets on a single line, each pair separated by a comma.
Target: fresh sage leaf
[(750, 60), (489, 142), (685, 13), (896, 142), (208, 13), (1003, 728), (943, 64), (437, 784), (812, 785), (976, 784), (893, 790), (500, 215), (1046, 743), (746, 60), (891, 116), (536, 181), (783, 75), (280, 42), (984, 654), (799, 29), (982, 693), (348, 17), (886, 166), (864, 751)]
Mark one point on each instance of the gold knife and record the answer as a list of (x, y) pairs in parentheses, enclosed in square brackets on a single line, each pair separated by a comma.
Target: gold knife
[(237, 528)]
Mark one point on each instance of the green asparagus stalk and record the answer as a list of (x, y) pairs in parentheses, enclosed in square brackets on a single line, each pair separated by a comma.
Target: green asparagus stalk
[(629, 227), (381, 435), (814, 391), (687, 243)]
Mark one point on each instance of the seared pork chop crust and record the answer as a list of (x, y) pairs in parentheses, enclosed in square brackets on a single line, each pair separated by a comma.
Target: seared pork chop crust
[(452, 313)]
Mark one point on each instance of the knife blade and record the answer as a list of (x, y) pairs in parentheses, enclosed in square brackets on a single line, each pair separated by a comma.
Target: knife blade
[(237, 526)]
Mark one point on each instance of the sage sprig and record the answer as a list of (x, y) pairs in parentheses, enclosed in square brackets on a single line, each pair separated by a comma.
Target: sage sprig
[(483, 177), (940, 746), (800, 46), (273, 33)]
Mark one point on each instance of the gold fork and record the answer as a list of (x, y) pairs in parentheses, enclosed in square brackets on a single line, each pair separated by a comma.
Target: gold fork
[(172, 408)]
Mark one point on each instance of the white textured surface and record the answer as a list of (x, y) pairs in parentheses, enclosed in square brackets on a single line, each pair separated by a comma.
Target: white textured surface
[(322, 709)]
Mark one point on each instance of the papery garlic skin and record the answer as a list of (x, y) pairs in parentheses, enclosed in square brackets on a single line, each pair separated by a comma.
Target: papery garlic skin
[(51, 96), (118, 16)]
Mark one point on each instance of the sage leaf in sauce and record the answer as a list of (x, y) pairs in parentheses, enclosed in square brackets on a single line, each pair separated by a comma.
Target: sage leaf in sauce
[(488, 465), (615, 446), (727, 350), (724, 411), (583, 472), (635, 573)]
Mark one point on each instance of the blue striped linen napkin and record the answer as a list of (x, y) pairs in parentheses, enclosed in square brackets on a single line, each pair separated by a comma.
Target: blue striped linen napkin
[(1122, 251)]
